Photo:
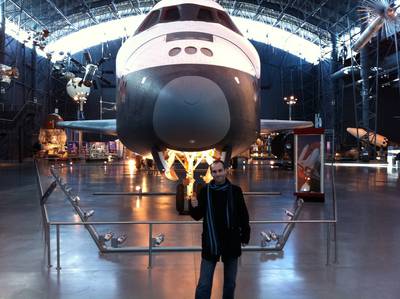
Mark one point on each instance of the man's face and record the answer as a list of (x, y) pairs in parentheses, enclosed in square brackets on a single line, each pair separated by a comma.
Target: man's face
[(218, 172)]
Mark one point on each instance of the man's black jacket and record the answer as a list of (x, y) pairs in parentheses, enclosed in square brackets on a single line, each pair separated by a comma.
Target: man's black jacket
[(238, 232)]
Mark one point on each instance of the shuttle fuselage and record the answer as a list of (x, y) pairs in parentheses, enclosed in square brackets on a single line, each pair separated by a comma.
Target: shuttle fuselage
[(188, 81)]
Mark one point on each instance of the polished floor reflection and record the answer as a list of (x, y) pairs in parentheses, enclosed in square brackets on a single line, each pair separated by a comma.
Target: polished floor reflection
[(368, 237)]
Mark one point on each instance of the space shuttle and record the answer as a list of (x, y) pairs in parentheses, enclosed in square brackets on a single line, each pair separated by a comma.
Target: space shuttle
[(188, 89), (369, 137)]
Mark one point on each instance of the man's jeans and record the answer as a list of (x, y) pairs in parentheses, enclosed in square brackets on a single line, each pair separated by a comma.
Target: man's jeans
[(203, 290)]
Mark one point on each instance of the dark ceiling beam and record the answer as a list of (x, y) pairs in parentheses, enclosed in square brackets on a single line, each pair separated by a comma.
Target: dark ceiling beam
[(61, 13), (135, 8), (235, 6), (33, 18), (89, 12), (269, 7), (259, 9), (342, 18), (306, 11), (2, 32), (298, 12), (312, 14), (114, 9), (282, 13), (339, 15), (304, 22)]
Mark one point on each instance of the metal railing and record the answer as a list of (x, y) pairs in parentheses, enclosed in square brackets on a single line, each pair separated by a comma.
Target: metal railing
[(140, 193), (151, 248)]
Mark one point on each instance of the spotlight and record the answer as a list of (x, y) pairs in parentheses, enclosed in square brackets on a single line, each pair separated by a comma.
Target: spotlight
[(158, 239), (138, 188), (70, 163), (105, 162), (68, 189), (121, 239), (265, 238), (88, 214), (76, 199), (108, 236), (289, 214), (118, 241), (273, 235)]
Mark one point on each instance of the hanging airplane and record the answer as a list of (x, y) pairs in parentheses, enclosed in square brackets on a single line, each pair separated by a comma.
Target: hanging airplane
[(188, 88), (377, 14)]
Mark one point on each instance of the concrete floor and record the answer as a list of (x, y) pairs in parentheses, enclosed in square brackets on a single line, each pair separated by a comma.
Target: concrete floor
[(368, 238)]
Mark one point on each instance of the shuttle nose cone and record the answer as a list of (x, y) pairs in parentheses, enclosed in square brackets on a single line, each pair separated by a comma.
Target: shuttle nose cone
[(191, 112)]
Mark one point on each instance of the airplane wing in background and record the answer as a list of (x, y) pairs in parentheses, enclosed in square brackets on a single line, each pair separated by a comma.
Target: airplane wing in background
[(109, 126), (271, 125), (103, 126)]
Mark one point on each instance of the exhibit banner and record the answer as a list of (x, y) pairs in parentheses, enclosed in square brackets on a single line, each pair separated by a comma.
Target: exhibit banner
[(309, 162)]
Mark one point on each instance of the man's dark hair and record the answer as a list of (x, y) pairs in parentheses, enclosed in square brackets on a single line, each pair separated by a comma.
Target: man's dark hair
[(218, 161)]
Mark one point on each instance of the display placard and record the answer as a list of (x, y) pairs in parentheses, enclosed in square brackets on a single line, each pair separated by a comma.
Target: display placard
[(309, 163)]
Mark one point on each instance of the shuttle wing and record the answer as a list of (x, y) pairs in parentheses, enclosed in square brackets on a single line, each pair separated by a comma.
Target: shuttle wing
[(272, 125), (103, 126), (109, 126)]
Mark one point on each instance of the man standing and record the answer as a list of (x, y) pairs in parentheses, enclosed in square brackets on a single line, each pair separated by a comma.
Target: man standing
[(225, 228)]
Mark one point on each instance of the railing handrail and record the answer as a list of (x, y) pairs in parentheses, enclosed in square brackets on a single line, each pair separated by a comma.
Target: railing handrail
[(100, 239), (186, 222)]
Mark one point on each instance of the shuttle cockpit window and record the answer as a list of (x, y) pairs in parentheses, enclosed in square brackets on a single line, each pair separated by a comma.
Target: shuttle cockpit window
[(187, 12), (226, 21), (170, 14), (149, 21), (205, 15)]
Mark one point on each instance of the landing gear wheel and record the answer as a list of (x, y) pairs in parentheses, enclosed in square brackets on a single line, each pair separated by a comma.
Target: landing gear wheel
[(180, 198)]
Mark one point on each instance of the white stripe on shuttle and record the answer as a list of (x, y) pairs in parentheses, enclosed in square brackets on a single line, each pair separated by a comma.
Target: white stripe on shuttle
[(136, 44)]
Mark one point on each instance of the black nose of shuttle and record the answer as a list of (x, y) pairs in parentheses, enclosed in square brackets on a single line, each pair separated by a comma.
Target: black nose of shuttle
[(191, 112)]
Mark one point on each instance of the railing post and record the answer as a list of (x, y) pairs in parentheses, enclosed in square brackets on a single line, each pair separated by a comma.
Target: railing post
[(150, 245), (48, 245), (334, 240), (58, 247), (328, 243)]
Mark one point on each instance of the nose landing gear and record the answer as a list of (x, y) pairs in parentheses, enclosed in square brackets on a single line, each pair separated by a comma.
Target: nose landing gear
[(188, 188)]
